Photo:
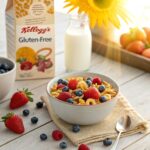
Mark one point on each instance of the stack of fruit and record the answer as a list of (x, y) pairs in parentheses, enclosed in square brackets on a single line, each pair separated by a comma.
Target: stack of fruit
[(137, 41)]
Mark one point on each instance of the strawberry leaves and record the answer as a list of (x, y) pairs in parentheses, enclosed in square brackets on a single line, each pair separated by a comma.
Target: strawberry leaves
[(7, 116), (28, 93)]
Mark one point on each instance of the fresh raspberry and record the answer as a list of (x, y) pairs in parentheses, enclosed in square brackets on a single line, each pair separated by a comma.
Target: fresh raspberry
[(97, 80), (57, 135), (83, 147), (60, 86), (64, 96), (91, 92), (73, 84)]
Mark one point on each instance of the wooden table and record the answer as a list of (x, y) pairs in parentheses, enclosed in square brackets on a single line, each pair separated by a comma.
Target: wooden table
[(134, 84)]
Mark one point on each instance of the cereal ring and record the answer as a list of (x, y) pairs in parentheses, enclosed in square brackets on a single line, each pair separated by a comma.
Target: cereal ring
[(54, 94), (81, 101), (90, 101), (108, 96), (54, 88), (82, 85)]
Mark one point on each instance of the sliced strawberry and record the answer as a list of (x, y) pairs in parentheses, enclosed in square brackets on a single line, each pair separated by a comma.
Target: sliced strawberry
[(60, 86), (20, 98), (26, 65), (73, 84), (14, 123), (64, 96), (91, 92), (97, 80)]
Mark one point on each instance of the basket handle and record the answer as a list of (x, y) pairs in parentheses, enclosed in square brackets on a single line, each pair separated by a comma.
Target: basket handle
[(49, 50)]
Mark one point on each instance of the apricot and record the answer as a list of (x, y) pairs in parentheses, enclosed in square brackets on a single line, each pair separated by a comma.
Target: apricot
[(138, 34), (136, 47), (146, 53), (125, 39)]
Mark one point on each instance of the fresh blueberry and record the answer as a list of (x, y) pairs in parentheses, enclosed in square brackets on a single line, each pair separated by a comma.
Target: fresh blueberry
[(101, 88), (65, 89), (70, 100), (43, 137), (60, 81), (78, 93), (65, 82), (26, 112), (103, 99), (39, 105), (89, 78), (2, 71), (5, 67), (63, 145), (34, 120), (89, 82), (75, 128), (107, 142)]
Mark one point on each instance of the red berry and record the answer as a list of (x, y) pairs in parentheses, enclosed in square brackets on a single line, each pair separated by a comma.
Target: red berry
[(20, 98), (60, 86), (73, 84), (83, 147), (91, 92), (64, 96), (57, 135), (14, 123), (97, 80), (26, 65)]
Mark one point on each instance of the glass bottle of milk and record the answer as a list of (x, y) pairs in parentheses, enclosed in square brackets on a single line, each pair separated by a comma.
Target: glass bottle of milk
[(78, 44)]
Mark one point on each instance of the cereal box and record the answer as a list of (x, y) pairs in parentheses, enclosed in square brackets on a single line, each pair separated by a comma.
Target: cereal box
[(30, 37)]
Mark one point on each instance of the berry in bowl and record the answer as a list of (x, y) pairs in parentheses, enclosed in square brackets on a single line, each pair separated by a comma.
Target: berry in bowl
[(7, 76), (82, 98)]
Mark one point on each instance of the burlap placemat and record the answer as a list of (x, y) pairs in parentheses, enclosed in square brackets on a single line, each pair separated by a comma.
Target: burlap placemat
[(105, 129)]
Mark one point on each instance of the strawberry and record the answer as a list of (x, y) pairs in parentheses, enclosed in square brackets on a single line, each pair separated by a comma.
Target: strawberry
[(14, 123), (91, 92), (26, 65), (64, 96), (83, 147), (60, 86), (97, 80), (73, 84), (20, 98)]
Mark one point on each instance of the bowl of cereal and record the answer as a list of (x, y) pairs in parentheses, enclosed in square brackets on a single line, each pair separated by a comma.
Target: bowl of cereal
[(82, 98)]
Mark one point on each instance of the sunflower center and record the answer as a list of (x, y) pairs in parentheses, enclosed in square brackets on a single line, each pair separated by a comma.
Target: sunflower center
[(103, 3)]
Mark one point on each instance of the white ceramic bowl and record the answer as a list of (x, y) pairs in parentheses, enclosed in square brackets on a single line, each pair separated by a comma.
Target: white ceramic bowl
[(7, 79), (79, 114)]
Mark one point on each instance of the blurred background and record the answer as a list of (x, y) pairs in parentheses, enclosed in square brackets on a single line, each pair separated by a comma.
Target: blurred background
[(139, 9)]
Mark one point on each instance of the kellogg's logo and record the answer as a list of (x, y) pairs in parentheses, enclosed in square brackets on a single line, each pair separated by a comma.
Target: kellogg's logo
[(35, 29)]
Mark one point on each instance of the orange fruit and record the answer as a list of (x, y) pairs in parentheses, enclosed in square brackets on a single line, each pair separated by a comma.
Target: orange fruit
[(136, 47), (146, 53), (125, 39), (27, 53)]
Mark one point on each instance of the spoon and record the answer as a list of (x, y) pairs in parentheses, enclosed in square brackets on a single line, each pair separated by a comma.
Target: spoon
[(121, 126)]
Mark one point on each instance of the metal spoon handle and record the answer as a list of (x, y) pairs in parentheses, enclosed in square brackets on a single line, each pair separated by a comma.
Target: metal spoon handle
[(116, 142)]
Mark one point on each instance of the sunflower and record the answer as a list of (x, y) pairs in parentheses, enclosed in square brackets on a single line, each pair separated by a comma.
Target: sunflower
[(101, 11)]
